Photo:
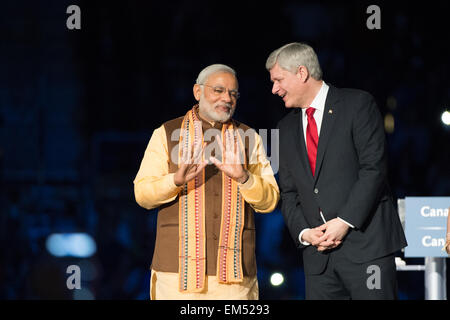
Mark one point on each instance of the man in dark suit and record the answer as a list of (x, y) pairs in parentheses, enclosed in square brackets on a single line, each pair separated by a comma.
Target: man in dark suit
[(333, 178)]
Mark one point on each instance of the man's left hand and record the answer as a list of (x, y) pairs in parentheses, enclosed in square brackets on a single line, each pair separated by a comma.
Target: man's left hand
[(233, 164), (234, 171)]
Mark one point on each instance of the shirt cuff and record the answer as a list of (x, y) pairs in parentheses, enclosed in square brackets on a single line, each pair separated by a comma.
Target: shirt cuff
[(172, 187), (249, 183), (350, 225), (305, 243)]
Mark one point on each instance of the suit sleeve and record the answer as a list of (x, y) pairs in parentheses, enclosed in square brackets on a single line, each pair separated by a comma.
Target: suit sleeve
[(261, 189), (369, 141), (290, 201)]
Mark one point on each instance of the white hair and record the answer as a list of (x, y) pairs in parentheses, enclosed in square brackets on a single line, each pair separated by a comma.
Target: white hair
[(293, 55), (210, 70)]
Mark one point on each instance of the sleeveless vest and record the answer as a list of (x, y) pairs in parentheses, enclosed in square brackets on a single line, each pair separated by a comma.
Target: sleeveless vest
[(165, 256)]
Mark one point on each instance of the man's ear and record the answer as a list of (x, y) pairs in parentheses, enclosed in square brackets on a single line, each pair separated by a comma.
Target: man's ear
[(197, 91), (302, 73)]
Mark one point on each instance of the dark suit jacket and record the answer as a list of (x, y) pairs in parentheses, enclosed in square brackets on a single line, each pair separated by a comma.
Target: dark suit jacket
[(350, 180)]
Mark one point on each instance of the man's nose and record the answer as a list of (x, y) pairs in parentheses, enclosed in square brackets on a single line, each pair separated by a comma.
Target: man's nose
[(275, 88)]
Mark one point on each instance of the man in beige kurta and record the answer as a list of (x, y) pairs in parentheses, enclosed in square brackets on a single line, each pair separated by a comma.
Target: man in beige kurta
[(162, 181)]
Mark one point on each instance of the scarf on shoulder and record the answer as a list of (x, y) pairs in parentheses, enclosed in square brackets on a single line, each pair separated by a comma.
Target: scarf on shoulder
[(192, 236)]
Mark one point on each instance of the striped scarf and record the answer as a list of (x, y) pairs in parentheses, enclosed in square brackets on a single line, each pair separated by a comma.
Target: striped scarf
[(192, 236)]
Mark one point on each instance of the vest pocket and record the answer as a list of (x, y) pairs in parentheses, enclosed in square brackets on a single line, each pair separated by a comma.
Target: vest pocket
[(167, 225)]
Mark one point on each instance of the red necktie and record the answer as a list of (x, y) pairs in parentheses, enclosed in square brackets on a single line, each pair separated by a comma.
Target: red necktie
[(312, 139)]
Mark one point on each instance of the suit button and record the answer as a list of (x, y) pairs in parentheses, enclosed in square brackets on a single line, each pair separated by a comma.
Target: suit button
[(316, 191)]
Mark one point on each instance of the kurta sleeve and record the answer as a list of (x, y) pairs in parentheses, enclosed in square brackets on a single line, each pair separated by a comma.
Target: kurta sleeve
[(154, 184), (261, 189)]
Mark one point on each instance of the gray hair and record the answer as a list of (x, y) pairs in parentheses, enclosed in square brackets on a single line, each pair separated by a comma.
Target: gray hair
[(214, 68), (293, 55)]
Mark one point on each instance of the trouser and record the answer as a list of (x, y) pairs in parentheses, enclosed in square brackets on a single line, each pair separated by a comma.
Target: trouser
[(343, 279)]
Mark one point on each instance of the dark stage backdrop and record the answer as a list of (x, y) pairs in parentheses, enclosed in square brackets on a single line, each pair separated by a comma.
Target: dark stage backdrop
[(77, 108)]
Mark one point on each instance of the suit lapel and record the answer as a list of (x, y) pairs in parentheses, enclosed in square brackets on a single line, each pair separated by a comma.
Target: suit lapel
[(328, 119)]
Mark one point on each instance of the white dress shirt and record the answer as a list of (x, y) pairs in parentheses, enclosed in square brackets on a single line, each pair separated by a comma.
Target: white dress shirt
[(319, 104)]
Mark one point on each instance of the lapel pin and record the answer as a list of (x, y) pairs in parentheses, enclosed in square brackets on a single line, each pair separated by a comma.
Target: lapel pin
[(330, 111)]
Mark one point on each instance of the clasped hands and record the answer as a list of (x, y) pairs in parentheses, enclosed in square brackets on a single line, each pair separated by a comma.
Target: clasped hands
[(327, 236), (192, 163)]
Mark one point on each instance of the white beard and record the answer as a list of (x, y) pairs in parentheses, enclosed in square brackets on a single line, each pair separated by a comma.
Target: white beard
[(209, 110)]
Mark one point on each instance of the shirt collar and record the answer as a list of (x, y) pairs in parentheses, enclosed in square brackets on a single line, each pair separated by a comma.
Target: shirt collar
[(319, 101)]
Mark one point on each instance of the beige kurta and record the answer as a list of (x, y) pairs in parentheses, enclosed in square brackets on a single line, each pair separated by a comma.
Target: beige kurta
[(164, 286)]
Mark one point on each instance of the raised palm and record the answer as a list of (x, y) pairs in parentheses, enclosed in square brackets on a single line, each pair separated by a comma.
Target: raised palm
[(232, 161), (192, 164)]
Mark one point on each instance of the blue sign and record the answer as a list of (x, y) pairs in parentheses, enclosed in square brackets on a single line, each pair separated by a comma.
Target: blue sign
[(426, 226)]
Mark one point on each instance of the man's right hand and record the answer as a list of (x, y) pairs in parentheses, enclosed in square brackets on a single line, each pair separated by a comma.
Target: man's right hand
[(190, 167), (313, 235)]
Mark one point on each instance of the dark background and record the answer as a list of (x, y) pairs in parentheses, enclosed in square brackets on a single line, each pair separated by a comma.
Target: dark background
[(77, 108)]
